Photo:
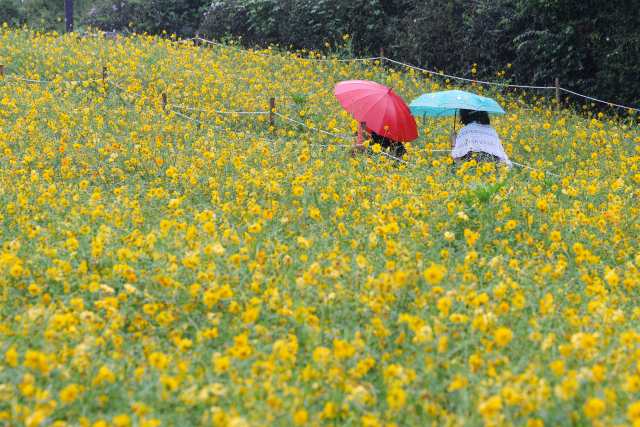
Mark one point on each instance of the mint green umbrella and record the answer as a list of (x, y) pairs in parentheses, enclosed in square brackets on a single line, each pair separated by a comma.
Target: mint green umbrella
[(449, 102)]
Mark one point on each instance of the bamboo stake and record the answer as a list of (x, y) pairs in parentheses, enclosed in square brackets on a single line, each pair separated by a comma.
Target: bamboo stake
[(363, 131)]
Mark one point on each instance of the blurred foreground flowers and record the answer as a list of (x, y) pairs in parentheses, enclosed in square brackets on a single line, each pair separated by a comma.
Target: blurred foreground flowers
[(158, 271)]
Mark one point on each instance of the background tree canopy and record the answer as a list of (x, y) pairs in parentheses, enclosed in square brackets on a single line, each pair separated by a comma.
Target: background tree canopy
[(593, 46)]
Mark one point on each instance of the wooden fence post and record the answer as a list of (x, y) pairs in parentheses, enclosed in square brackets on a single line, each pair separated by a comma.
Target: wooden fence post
[(2, 70), (363, 130), (558, 91), (196, 40), (104, 77), (381, 55), (272, 106), (164, 102)]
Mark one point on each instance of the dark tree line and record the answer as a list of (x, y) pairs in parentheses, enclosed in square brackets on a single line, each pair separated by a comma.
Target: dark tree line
[(593, 46)]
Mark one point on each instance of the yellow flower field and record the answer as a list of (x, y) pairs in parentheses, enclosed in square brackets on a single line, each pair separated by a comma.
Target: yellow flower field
[(156, 270)]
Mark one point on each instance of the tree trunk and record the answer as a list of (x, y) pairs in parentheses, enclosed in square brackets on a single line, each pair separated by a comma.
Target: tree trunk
[(68, 15)]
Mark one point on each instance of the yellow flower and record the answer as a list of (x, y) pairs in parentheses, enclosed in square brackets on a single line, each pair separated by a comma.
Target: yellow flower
[(342, 349), (594, 407), (433, 275), (555, 236), (633, 412), (588, 341), (255, 228), (459, 382), (11, 356), (16, 270), (557, 367), (69, 393), (471, 236), (503, 336), (321, 355), (612, 278), (300, 417), (221, 365), (396, 398), (122, 420), (490, 407)]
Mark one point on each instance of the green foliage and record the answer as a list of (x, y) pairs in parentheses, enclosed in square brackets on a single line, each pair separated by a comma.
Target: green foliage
[(304, 24), (483, 193), (299, 98), (43, 15), (593, 47), (181, 18), (10, 13)]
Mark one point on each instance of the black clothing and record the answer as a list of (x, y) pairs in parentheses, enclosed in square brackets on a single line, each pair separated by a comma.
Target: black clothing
[(396, 149), (480, 156)]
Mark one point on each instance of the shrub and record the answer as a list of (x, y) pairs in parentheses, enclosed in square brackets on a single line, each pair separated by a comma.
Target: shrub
[(10, 13), (153, 16), (593, 48)]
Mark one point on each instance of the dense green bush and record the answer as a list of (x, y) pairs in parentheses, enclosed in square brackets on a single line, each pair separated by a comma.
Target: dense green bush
[(153, 16), (10, 13), (594, 47), (305, 24), (43, 15)]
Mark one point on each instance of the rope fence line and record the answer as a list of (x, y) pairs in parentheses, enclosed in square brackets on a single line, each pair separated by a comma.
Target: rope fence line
[(307, 126), (362, 59), (187, 117), (266, 112), (427, 71), (611, 104), (218, 112), (329, 133), (395, 158), (465, 79), (279, 56), (48, 81), (510, 85), (598, 100)]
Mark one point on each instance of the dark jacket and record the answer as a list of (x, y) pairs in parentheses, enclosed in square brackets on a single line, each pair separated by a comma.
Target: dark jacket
[(396, 149)]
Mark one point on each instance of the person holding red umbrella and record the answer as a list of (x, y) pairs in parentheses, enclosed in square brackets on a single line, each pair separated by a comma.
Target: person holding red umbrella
[(387, 116), (395, 148)]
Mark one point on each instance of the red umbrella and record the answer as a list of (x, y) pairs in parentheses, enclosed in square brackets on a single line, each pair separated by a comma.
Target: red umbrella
[(382, 109)]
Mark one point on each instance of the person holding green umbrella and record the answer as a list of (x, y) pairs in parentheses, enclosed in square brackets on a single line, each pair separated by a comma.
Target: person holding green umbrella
[(477, 140)]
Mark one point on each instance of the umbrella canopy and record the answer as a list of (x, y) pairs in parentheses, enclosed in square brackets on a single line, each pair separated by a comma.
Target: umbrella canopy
[(384, 111), (448, 103)]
